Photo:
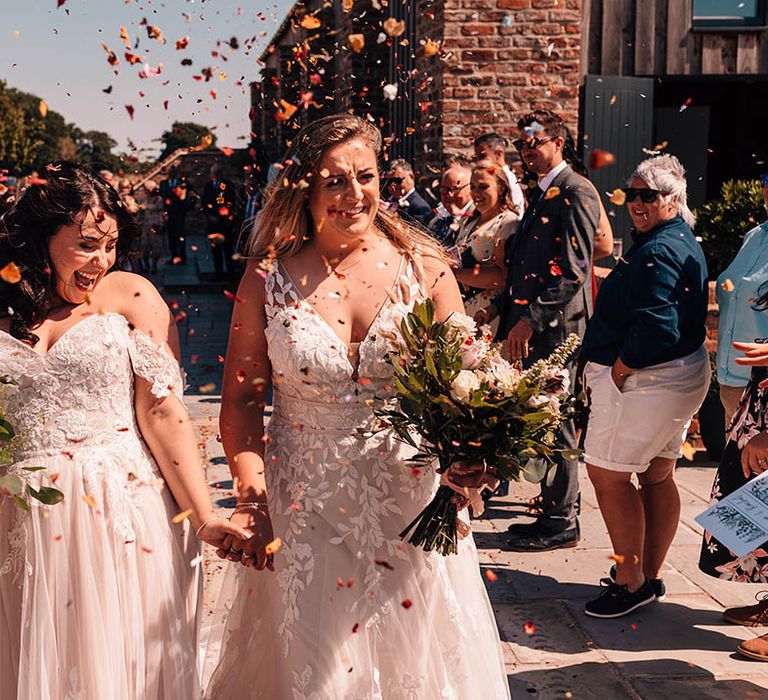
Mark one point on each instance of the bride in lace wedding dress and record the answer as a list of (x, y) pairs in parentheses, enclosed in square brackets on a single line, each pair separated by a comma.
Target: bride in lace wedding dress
[(98, 594), (331, 604)]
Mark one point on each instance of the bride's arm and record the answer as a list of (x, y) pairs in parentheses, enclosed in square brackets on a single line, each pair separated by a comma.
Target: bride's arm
[(247, 375), (163, 421), (442, 287)]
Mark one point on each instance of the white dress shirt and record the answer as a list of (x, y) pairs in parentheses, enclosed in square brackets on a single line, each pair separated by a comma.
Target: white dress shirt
[(545, 181)]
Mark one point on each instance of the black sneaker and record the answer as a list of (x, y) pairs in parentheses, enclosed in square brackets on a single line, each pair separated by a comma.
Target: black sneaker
[(659, 589), (617, 601)]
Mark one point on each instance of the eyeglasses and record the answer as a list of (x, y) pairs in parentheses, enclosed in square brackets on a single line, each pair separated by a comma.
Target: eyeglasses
[(764, 179), (646, 194), (453, 190), (395, 180), (531, 143)]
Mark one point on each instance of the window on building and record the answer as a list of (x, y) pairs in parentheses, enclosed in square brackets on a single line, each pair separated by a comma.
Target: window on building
[(728, 14)]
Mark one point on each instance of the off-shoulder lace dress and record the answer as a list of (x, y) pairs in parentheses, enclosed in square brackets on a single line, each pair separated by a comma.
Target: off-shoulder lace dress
[(98, 594)]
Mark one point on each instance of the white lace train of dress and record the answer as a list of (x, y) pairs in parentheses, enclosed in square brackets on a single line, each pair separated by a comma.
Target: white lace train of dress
[(352, 613), (98, 594)]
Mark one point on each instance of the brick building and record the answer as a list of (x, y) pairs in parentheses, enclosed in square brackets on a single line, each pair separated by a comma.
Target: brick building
[(626, 75)]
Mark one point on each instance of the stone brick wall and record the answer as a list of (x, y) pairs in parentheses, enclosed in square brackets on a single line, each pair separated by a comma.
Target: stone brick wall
[(504, 58)]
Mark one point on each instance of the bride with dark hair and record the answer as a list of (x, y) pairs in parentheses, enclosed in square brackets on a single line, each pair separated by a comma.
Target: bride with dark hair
[(98, 594)]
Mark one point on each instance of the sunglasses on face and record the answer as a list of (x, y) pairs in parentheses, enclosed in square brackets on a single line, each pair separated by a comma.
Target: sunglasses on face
[(395, 180), (453, 190), (531, 143), (646, 195)]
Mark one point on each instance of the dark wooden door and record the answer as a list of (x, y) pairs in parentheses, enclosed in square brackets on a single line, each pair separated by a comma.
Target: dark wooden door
[(616, 116)]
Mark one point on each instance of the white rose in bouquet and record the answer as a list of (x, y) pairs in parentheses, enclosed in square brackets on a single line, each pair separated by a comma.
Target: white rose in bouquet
[(502, 375), (463, 324), (464, 383), (548, 402), (473, 352)]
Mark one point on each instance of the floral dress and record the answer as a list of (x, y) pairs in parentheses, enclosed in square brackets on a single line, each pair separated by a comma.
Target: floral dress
[(750, 419)]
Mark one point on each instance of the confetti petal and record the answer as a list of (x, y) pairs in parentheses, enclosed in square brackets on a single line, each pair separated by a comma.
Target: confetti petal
[(11, 273), (181, 517)]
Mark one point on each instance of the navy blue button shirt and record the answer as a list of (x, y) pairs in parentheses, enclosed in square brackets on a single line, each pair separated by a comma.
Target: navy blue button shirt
[(653, 306)]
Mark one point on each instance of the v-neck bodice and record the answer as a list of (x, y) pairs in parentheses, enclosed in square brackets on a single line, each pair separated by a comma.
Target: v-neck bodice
[(309, 360)]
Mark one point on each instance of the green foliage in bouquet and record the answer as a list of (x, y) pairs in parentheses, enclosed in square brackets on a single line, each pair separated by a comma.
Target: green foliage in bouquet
[(12, 484), (458, 400)]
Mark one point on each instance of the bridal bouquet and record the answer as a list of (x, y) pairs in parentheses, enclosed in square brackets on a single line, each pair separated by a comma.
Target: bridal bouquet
[(13, 484), (468, 405)]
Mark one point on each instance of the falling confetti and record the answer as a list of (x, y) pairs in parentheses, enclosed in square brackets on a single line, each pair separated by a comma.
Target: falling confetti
[(10, 273), (407, 603), (599, 159), (688, 450), (394, 27), (728, 286), (618, 197), (552, 192), (43, 108), (310, 22), (181, 517), (390, 91), (529, 628), (273, 546), (357, 42)]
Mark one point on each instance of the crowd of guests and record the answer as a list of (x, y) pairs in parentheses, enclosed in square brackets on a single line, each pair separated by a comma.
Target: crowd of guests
[(524, 257)]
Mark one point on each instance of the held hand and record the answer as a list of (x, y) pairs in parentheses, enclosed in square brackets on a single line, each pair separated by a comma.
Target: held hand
[(518, 338), (252, 552), (463, 476), (754, 456), (217, 530)]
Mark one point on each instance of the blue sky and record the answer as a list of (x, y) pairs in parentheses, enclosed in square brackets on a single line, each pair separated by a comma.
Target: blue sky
[(58, 56)]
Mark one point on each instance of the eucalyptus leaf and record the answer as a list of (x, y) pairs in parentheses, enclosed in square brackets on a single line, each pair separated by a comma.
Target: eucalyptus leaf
[(48, 495), (12, 483)]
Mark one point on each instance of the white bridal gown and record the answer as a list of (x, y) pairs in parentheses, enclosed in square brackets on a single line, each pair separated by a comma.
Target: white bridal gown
[(98, 594), (352, 612)]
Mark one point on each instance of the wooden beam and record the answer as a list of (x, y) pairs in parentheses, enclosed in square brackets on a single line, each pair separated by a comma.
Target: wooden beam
[(679, 19), (747, 58), (645, 37), (613, 23), (660, 42), (712, 54)]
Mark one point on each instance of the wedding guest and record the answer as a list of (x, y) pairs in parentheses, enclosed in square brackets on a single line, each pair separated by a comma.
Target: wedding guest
[(481, 243), (98, 593), (176, 201), (151, 245), (219, 203), (546, 297), (456, 205), (494, 148), (647, 373), (404, 198), (350, 612), (738, 318), (745, 457)]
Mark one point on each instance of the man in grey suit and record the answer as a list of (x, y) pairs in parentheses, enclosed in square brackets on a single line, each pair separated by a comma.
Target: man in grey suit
[(548, 295)]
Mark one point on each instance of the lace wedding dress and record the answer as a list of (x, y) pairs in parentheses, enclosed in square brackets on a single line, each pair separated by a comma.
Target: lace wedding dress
[(98, 594), (352, 612)]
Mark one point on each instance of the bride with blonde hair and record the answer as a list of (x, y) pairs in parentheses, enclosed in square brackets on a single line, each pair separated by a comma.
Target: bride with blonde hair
[(330, 603)]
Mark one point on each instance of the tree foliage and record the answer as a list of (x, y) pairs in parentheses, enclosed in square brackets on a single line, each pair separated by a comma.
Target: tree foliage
[(184, 135), (29, 140), (722, 222)]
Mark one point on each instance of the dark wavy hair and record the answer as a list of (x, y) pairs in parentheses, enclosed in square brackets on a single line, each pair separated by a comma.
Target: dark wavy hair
[(62, 195)]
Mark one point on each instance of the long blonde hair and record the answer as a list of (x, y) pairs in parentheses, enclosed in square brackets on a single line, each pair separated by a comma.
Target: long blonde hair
[(284, 223)]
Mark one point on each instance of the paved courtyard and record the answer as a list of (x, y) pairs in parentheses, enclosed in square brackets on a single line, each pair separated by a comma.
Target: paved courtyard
[(681, 648)]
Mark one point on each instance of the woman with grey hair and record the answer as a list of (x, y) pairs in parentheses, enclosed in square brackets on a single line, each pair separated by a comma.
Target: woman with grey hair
[(647, 373)]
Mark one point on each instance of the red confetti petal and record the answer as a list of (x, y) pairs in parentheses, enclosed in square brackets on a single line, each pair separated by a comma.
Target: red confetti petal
[(529, 627), (407, 603)]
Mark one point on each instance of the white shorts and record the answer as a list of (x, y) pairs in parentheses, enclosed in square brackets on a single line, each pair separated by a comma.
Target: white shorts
[(649, 417)]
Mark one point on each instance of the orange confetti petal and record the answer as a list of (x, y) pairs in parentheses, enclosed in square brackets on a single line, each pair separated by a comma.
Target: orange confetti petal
[(11, 273), (529, 628), (357, 42), (90, 500), (181, 517), (43, 107), (599, 159), (394, 27), (688, 450), (310, 22), (552, 192), (490, 575), (618, 197), (728, 286), (273, 546)]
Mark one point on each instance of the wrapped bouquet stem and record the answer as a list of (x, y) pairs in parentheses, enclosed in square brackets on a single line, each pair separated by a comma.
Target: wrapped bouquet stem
[(459, 402)]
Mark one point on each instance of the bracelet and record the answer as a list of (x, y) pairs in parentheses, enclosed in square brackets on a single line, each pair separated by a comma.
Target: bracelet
[(252, 504), (205, 522)]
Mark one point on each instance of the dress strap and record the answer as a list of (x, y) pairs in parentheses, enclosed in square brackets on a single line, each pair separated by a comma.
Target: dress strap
[(280, 290)]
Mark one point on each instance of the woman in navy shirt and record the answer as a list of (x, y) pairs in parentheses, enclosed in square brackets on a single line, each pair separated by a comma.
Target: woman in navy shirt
[(647, 373)]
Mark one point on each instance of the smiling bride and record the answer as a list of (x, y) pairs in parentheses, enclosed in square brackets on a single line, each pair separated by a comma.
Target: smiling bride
[(329, 603), (98, 594)]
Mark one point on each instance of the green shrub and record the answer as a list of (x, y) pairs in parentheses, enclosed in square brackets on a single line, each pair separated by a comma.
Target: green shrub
[(723, 222)]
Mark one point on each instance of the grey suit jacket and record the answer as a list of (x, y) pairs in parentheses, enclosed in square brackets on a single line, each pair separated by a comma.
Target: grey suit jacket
[(549, 277)]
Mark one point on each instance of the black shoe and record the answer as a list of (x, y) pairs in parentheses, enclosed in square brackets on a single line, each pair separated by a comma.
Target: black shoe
[(659, 589), (542, 541), (617, 601), (525, 529)]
